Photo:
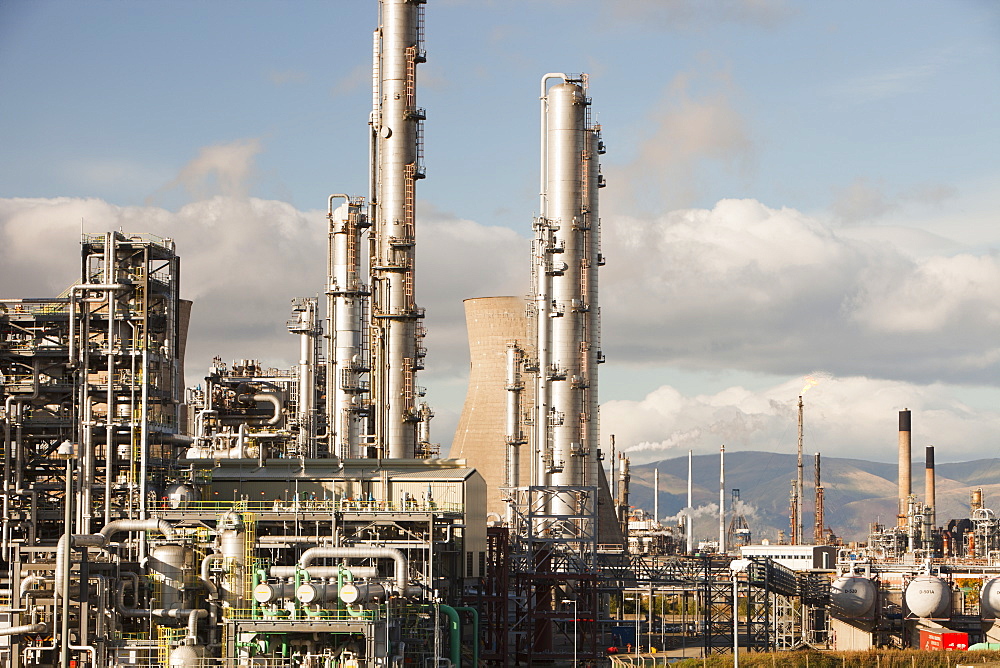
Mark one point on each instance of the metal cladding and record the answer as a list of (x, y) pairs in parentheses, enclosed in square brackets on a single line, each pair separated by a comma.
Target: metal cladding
[(905, 488), (566, 257), (396, 167), (853, 596), (930, 486), (928, 597)]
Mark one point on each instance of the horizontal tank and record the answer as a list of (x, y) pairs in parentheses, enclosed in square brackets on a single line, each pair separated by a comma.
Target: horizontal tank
[(361, 593), (989, 599), (852, 596), (268, 592), (928, 597)]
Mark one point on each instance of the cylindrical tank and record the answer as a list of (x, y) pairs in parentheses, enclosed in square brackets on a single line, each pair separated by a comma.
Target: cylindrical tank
[(185, 656), (989, 599), (169, 565), (180, 494), (267, 592), (315, 592), (232, 544), (361, 593), (928, 597), (852, 596)]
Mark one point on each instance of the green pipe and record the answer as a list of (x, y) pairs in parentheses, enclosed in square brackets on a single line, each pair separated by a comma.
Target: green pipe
[(254, 605), (475, 634), (456, 634), (298, 583)]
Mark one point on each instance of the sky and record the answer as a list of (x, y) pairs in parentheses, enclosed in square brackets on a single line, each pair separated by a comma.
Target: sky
[(800, 194)]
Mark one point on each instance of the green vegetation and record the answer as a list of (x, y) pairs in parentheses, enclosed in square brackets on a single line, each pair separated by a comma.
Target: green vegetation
[(889, 658)]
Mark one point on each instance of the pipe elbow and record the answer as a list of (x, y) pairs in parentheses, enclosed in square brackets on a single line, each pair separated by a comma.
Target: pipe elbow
[(275, 401)]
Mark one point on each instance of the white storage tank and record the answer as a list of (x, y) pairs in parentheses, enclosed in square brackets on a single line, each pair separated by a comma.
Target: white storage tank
[(852, 596), (928, 597), (989, 599)]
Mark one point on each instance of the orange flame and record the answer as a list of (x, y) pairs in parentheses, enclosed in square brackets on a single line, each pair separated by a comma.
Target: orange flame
[(811, 381)]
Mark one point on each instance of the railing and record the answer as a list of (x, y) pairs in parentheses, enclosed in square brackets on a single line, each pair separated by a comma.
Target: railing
[(310, 506), (283, 615)]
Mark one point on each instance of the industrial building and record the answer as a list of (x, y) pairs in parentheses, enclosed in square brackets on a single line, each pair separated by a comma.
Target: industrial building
[(302, 516)]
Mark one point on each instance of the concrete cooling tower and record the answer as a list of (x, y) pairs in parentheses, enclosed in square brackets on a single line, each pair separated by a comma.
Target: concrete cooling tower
[(492, 323)]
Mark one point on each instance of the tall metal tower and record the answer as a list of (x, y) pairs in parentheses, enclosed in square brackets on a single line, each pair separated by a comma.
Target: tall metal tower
[(397, 153)]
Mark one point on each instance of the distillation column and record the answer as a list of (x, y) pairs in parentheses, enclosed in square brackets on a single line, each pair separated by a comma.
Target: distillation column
[(570, 178), (346, 294), (396, 133)]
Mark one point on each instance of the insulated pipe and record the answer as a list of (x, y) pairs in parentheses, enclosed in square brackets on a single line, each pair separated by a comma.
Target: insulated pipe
[(455, 634), (213, 591), (275, 401), (359, 553), (905, 488), (24, 628), (62, 565), (30, 580), (153, 524), (475, 633), (192, 614), (359, 572), (930, 491)]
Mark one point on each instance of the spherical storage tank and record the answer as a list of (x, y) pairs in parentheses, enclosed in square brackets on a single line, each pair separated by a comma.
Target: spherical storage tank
[(928, 597), (989, 599), (852, 596)]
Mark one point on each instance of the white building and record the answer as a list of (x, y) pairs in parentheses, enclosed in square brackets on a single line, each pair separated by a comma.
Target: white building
[(795, 557)]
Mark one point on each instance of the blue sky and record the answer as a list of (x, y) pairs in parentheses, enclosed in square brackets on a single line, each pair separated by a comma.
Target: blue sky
[(794, 187)]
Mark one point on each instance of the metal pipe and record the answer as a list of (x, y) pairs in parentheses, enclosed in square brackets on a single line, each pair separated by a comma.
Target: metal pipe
[(359, 553), (275, 401), (206, 563), (153, 524), (24, 628)]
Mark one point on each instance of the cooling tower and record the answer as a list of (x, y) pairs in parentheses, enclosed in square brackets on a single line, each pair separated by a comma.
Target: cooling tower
[(492, 324)]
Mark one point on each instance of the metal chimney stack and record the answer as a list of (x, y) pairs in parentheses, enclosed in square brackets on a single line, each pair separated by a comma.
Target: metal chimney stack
[(819, 526), (904, 467), (930, 487), (722, 499), (797, 538), (396, 167)]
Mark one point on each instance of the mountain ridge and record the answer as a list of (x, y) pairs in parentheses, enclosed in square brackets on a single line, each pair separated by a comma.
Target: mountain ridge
[(857, 492)]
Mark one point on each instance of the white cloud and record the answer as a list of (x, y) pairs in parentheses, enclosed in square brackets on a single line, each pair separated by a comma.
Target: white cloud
[(843, 417), (695, 127), (743, 286), (686, 14)]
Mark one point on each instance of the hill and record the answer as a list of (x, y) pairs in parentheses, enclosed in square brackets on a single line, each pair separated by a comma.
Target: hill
[(857, 492)]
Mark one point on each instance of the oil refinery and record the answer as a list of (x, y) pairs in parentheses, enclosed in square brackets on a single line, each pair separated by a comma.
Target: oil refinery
[(303, 516)]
